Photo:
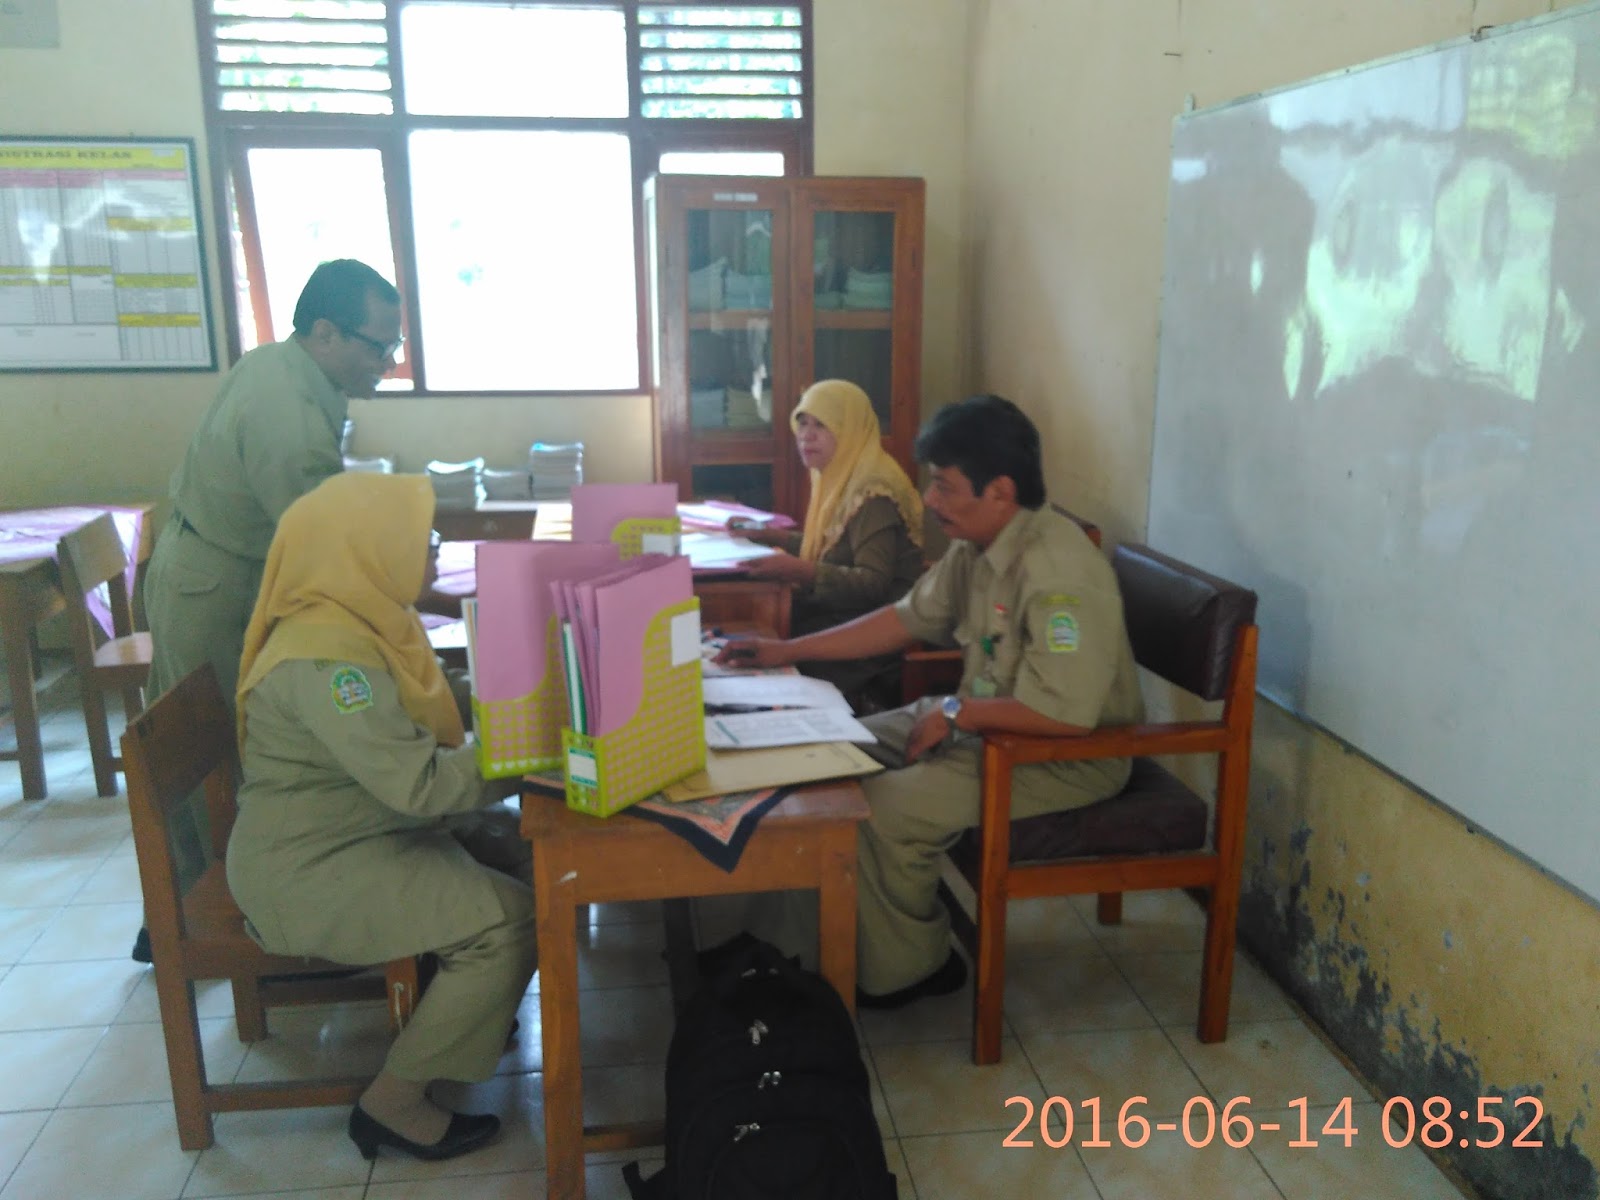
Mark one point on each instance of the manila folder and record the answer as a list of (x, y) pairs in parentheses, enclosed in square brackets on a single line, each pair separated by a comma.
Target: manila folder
[(728, 771)]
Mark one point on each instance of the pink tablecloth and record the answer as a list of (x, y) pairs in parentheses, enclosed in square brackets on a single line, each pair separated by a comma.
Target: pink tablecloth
[(34, 532)]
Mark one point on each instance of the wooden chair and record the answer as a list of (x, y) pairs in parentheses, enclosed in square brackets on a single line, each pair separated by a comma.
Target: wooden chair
[(185, 742), (1195, 631), (88, 557)]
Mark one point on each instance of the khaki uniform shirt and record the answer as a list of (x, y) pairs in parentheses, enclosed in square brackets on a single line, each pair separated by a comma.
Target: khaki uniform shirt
[(1038, 617), (344, 793), (271, 435)]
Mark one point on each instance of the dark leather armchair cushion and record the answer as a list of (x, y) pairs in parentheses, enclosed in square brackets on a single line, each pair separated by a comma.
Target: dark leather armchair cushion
[(1181, 621), (1154, 814)]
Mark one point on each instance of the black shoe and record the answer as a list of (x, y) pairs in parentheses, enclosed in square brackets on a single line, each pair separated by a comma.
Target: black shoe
[(466, 1132), (948, 978), (141, 946)]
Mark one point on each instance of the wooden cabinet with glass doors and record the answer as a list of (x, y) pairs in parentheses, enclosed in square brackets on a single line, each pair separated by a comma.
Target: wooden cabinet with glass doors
[(759, 286)]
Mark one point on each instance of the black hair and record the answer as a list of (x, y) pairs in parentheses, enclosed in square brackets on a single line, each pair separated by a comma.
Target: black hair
[(985, 437), (337, 291)]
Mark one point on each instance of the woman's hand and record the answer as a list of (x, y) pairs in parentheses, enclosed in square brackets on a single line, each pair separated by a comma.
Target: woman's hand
[(781, 566)]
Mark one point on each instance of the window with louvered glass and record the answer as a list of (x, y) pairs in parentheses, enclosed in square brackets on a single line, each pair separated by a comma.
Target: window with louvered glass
[(490, 156)]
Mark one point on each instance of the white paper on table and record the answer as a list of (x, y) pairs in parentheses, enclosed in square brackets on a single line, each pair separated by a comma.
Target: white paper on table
[(719, 515), (773, 691), (789, 727), (720, 551)]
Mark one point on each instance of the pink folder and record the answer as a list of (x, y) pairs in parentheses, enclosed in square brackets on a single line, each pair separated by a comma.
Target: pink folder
[(624, 607), (515, 606), (598, 508)]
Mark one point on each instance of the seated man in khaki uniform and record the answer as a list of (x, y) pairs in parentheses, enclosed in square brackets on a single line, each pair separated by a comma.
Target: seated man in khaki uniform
[(1035, 608)]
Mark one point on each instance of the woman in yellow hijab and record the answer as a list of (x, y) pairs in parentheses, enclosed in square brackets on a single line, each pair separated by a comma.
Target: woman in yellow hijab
[(359, 792), (861, 546)]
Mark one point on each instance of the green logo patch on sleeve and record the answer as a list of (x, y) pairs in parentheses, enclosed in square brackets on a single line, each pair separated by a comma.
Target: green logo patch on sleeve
[(1062, 633), (352, 690)]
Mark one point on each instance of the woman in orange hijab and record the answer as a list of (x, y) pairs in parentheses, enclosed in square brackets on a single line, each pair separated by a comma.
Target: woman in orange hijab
[(358, 787), (861, 546)]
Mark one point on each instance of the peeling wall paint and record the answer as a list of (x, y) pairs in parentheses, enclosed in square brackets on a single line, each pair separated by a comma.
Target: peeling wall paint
[(1439, 963)]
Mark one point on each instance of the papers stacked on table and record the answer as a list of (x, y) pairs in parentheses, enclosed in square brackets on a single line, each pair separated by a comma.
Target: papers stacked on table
[(718, 514), (784, 727), (456, 486), (508, 485), (750, 712), (712, 552), (556, 468)]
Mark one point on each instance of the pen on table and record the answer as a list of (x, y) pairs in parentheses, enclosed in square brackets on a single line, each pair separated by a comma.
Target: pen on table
[(725, 733)]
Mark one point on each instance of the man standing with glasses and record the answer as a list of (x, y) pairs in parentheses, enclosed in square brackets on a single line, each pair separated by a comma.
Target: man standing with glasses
[(271, 435)]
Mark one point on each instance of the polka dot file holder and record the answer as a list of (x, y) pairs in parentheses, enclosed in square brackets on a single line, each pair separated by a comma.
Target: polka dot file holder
[(647, 535), (524, 734), (664, 742)]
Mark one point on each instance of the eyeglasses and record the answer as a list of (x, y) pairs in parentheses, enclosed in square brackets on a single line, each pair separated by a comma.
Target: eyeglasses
[(383, 349)]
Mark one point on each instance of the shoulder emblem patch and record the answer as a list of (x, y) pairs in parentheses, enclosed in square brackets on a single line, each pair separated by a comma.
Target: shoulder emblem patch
[(1062, 634), (352, 690)]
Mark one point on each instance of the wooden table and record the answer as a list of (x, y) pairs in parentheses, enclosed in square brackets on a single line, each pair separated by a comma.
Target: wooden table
[(30, 593), (807, 841)]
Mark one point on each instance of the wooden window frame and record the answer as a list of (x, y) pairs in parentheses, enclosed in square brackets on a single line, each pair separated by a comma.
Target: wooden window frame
[(232, 134)]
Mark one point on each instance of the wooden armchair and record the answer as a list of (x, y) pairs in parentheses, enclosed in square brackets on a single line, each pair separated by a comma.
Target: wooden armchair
[(1197, 632), (88, 557), (185, 742)]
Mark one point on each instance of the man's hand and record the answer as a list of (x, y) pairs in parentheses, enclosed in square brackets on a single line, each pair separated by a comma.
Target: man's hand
[(927, 734), (754, 652), (781, 566)]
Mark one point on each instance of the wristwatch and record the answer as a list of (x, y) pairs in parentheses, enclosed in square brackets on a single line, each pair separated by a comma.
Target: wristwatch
[(950, 706)]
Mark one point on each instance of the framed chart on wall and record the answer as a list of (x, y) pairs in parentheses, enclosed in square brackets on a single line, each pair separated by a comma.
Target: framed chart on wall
[(102, 266)]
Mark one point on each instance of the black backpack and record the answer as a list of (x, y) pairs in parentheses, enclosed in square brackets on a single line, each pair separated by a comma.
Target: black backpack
[(767, 1097)]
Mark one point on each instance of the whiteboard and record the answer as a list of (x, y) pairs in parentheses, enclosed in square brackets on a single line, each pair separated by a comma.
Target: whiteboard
[(1378, 404), (101, 264)]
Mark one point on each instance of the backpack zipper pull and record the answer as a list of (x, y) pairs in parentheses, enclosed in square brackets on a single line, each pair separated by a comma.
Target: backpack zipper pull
[(773, 1078), (757, 1028), (742, 1131)]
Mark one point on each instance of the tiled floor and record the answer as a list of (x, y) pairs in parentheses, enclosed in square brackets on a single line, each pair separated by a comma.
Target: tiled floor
[(1091, 1013)]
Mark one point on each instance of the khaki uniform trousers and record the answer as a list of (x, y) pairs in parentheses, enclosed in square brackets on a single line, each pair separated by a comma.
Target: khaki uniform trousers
[(458, 1030), (198, 599), (486, 950), (918, 813)]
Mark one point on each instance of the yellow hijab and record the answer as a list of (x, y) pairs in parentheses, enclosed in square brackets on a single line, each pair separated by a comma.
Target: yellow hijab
[(859, 470), (341, 580)]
